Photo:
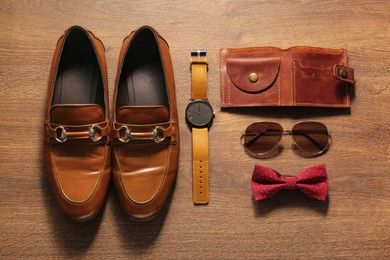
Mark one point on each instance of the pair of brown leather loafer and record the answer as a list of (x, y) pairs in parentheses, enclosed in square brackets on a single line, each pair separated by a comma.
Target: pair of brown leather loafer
[(140, 146)]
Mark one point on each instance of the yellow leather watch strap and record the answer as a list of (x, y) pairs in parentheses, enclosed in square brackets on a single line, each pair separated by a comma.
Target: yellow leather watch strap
[(200, 141), (200, 165), (199, 76)]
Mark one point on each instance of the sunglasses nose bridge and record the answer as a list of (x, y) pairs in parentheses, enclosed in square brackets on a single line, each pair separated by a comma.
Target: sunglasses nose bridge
[(286, 132)]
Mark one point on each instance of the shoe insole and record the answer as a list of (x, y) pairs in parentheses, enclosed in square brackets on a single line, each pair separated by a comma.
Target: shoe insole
[(142, 81), (78, 78)]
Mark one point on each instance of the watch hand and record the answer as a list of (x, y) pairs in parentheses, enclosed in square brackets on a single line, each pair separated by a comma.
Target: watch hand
[(199, 113)]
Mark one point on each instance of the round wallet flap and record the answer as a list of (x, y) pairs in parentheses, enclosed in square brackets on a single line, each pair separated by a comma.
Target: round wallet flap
[(252, 74)]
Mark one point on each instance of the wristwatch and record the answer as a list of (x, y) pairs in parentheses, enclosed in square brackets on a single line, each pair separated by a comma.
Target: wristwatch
[(199, 117)]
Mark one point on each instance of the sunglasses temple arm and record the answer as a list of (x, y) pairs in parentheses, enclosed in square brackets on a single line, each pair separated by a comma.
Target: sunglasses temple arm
[(254, 138), (258, 135), (319, 146)]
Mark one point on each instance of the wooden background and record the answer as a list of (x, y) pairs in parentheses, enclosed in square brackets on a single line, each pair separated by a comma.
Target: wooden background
[(353, 223)]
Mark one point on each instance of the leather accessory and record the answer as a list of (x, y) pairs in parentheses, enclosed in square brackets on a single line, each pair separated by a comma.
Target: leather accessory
[(313, 182), (298, 76), (145, 126), (310, 139), (76, 128), (199, 117)]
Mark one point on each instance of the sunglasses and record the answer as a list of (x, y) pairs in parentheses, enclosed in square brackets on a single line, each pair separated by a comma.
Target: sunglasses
[(262, 138)]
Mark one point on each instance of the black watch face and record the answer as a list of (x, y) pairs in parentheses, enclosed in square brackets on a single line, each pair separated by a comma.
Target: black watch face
[(199, 113)]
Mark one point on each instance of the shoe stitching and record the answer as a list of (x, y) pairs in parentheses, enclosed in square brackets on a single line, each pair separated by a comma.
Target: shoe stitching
[(133, 87), (60, 94), (94, 81)]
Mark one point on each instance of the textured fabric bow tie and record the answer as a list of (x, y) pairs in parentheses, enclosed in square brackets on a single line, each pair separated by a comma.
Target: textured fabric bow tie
[(313, 182)]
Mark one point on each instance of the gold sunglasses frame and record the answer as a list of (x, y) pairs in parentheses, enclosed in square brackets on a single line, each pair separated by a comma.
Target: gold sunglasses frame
[(302, 152)]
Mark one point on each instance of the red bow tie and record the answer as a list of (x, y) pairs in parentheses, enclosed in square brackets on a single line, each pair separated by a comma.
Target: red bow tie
[(267, 182)]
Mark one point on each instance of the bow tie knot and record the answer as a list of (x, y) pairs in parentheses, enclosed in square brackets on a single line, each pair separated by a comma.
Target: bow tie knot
[(267, 182), (291, 182)]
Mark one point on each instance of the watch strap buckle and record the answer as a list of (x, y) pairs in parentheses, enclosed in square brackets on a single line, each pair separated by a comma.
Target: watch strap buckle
[(199, 56), (198, 53)]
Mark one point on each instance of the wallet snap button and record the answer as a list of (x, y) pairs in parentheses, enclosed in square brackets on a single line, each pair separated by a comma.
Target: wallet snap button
[(343, 74), (253, 77)]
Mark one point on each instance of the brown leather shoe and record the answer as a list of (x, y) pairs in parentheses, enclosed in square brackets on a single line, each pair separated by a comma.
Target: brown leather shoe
[(145, 127), (77, 148)]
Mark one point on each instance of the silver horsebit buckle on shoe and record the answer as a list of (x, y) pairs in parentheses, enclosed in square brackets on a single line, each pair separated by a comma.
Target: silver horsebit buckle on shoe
[(156, 135), (92, 133), (62, 134)]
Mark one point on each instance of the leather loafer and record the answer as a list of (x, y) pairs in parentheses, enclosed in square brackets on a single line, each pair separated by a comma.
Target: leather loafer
[(145, 127), (76, 128)]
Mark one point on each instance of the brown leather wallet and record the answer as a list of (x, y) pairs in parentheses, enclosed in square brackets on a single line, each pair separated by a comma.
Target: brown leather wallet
[(297, 76)]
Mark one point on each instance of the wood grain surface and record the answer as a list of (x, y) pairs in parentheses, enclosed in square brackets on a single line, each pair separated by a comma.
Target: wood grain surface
[(353, 223)]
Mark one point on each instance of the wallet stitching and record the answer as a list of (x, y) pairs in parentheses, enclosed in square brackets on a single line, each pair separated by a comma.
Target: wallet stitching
[(228, 83), (278, 89), (324, 104), (292, 49), (240, 103), (294, 87), (345, 64), (222, 79)]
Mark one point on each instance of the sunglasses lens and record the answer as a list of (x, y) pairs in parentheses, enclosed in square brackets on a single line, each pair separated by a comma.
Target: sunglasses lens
[(312, 138), (262, 137)]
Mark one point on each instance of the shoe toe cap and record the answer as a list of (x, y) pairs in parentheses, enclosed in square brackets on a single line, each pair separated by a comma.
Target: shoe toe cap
[(79, 183)]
